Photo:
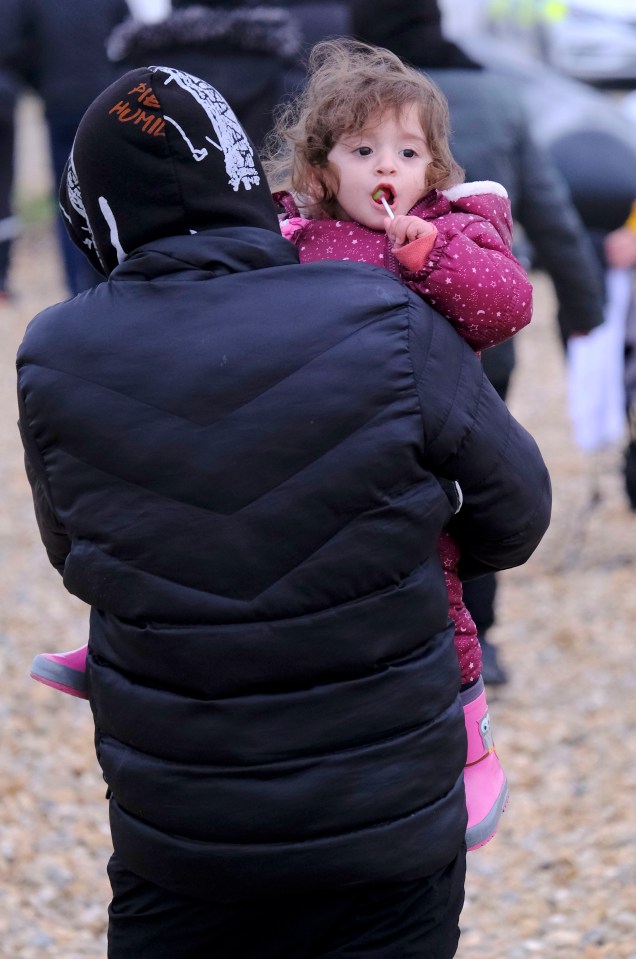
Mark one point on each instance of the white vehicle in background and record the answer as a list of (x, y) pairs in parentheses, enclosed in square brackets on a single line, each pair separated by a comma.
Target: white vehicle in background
[(590, 40), (556, 104)]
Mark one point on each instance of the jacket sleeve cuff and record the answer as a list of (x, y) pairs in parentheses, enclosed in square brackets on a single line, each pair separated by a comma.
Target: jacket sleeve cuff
[(413, 255)]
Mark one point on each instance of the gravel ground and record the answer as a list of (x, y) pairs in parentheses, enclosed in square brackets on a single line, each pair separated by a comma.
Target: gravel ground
[(559, 880)]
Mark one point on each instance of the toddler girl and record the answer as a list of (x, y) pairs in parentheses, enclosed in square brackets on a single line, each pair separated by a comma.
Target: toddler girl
[(361, 166)]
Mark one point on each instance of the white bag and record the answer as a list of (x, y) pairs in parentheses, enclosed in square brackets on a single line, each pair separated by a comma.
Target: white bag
[(595, 371)]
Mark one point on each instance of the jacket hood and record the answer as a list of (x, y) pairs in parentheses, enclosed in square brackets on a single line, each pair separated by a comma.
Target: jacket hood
[(270, 30), (159, 153)]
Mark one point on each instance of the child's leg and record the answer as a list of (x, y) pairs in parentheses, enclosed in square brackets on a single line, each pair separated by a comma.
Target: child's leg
[(484, 779), (63, 671)]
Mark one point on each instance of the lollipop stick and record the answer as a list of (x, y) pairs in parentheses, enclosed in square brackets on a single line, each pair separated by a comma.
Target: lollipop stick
[(387, 207)]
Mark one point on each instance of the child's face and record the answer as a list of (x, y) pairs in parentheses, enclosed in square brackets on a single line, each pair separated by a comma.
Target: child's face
[(389, 155)]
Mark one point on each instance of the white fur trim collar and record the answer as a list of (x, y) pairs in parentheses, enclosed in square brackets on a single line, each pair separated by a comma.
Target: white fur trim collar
[(474, 189)]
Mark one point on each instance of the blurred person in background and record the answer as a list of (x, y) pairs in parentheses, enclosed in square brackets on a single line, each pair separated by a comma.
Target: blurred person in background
[(9, 87), (492, 139), (600, 170), (591, 138), (251, 53), (57, 48), (620, 254)]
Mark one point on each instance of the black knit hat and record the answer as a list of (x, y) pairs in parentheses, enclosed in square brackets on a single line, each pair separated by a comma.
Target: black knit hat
[(159, 153)]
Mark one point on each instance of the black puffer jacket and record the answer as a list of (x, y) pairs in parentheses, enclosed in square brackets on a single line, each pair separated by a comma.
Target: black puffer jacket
[(233, 459)]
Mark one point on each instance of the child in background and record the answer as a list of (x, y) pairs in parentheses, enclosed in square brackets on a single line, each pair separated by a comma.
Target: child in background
[(369, 133), (361, 165)]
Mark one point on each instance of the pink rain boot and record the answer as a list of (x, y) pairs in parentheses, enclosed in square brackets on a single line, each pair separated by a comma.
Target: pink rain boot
[(63, 671), (484, 779)]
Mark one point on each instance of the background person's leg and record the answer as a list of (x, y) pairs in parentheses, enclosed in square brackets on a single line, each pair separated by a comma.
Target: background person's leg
[(8, 221), (480, 594)]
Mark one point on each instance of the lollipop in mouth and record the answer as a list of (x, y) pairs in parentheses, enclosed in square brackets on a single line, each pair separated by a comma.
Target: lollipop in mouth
[(384, 195)]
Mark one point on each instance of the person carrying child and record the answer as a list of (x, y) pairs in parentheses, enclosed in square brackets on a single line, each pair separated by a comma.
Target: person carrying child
[(360, 163), (243, 464)]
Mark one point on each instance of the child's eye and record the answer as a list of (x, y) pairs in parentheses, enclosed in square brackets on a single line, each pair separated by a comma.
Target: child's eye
[(363, 151), (409, 153)]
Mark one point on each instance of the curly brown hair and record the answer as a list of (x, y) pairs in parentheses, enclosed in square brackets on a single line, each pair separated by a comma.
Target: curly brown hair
[(350, 83)]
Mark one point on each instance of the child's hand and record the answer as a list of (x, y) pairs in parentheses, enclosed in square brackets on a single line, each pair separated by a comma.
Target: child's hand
[(620, 248), (404, 229)]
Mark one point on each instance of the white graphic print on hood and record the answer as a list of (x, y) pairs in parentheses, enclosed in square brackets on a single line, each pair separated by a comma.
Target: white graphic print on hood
[(236, 148), (75, 199)]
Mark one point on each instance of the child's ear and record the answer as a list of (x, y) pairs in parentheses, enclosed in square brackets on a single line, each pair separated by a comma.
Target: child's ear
[(329, 182), (315, 186), (322, 188)]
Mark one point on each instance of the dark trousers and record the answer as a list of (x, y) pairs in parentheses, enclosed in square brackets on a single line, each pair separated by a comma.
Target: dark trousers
[(402, 920), (480, 594), (8, 224)]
